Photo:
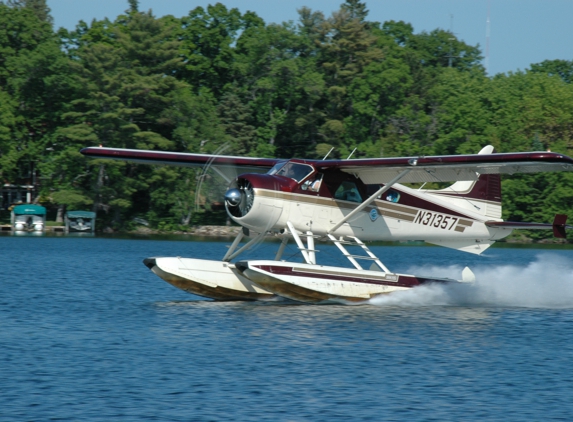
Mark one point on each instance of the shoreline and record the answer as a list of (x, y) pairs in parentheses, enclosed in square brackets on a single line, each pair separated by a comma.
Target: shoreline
[(232, 231), (212, 231)]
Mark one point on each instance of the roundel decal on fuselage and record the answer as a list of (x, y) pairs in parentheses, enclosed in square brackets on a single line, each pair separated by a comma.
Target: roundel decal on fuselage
[(373, 214)]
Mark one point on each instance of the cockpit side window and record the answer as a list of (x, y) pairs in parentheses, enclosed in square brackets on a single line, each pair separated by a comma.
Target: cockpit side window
[(295, 171), (312, 184), (348, 191)]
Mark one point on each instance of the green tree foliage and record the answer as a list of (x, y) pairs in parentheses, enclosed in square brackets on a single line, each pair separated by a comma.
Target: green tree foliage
[(561, 68), (36, 83), (462, 116), (219, 81), (8, 154), (127, 86), (274, 80), (207, 45), (38, 7), (348, 53)]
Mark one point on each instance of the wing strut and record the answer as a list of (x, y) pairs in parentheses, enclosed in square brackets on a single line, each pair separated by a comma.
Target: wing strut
[(369, 200)]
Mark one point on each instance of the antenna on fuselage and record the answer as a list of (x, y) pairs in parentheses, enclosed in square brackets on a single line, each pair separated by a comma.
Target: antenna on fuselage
[(351, 154), (328, 153)]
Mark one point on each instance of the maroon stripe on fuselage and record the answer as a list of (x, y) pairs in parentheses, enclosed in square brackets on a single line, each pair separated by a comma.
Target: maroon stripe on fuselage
[(403, 280), (419, 203)]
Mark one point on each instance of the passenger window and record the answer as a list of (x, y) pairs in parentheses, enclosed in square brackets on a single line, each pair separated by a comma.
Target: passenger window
[(392, 196), (348, 191)]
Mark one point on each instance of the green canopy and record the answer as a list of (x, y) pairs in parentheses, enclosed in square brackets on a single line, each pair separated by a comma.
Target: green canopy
[(29, 209), (81, 214)]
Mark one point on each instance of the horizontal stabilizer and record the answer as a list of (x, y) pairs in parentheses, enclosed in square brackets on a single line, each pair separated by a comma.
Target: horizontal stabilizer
[(558, 226), (464, 245)]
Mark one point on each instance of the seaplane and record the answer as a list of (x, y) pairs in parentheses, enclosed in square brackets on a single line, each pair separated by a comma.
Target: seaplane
[(347, 203)]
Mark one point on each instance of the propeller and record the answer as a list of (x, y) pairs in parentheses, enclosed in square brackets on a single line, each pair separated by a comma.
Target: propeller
[(204, 175), (238, 193)]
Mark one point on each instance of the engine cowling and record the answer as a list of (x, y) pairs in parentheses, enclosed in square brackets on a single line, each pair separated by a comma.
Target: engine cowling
[(251, 201)]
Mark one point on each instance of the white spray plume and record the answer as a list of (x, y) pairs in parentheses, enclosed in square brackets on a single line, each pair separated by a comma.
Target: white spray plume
[(546, 282)]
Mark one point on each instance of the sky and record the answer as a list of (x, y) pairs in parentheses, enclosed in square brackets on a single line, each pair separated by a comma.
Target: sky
[(521, 32)]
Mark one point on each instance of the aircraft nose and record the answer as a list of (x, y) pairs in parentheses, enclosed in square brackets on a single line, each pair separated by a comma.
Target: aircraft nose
[(233, 197)]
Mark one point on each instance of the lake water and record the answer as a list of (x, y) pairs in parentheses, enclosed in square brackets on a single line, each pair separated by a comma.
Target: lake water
[(88, 333)]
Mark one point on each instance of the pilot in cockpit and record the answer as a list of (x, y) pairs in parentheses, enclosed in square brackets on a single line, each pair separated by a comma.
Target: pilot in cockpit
[(295, 171)]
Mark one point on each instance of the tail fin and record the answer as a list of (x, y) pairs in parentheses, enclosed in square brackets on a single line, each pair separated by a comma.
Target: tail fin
[(482, 195)]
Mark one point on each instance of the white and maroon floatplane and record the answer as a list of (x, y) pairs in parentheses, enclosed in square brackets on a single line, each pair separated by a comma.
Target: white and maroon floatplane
[(347, 203)]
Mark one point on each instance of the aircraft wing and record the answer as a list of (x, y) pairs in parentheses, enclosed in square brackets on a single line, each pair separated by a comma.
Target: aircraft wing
[(440, 168), (449, 168), (227, 166)]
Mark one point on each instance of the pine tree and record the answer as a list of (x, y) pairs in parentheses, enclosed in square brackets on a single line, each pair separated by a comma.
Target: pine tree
[(349, 47), (133, 6), (235, 117), (127, 88), (39, 7)]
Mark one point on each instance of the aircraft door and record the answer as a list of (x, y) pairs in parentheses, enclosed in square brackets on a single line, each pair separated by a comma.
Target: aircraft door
[(347, 197), (312, 210)]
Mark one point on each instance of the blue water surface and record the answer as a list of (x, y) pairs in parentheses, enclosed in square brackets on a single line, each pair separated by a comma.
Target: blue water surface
[(88, 333)]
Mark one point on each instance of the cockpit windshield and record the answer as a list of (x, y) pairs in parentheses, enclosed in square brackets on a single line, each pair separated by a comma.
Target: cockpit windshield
[(277, 167), (295, 171)]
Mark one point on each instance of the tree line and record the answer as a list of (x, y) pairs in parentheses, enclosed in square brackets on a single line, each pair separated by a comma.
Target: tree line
[(221, 81)]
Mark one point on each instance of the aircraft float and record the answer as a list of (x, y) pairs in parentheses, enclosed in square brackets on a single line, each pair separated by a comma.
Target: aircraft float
[(347, 203)]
